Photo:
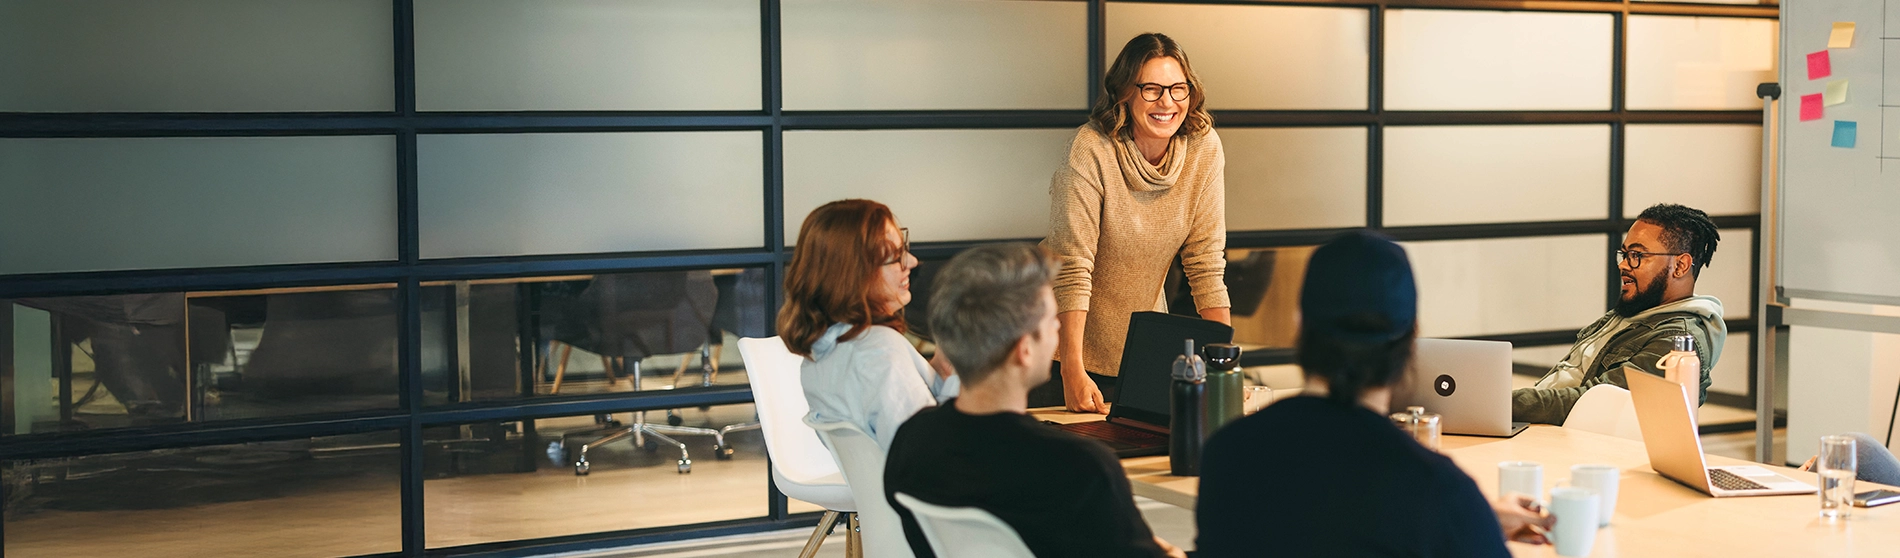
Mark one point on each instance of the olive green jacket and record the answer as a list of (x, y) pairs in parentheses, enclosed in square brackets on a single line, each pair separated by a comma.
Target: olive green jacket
[(1613, 341)]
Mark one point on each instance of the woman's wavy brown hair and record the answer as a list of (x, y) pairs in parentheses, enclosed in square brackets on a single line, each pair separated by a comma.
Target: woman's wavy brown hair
[(833, 272), (1110, 115)]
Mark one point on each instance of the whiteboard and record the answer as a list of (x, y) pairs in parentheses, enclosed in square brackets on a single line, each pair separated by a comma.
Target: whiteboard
[(1840, 208)]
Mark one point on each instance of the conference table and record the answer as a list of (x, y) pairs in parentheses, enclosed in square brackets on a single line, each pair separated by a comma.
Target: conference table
[(1654, 515)]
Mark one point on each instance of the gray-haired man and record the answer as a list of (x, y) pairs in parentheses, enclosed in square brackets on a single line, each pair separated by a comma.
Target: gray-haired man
[(993, 314)]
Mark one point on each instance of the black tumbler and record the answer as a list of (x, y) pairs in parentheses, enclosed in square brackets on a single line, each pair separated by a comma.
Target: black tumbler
[(1187, 419)]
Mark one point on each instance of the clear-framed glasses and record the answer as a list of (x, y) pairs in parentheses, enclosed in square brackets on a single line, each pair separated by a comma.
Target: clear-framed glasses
[(1151, 92), (903, 248), (1635, 257)]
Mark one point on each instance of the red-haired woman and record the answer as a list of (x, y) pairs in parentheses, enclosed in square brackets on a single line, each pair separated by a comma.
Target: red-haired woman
[(845, 292)]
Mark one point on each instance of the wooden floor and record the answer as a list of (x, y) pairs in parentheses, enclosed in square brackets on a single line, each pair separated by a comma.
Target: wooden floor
[(358, 511)]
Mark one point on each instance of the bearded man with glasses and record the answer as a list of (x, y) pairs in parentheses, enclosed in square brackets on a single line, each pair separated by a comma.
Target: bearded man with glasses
[(1662, 254)]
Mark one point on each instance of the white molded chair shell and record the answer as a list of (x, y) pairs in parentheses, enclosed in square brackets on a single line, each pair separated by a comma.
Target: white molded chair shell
[(863, 464), (801, 466), (976, 533), (1606, 409)]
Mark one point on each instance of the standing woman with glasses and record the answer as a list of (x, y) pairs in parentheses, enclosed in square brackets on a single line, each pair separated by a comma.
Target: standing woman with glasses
[(1143, 185), (845, 292)]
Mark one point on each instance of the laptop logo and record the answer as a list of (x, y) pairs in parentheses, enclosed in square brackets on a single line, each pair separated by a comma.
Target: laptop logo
[(1444, 385)]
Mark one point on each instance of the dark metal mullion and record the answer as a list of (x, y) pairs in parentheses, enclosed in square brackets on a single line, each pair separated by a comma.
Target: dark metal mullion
[(296, 124), (773, 99), (409, 354), (65, 444), (1619, 60), (409, 291), (1097, 50), (1375, 130), (72, 444), (1754, 302)]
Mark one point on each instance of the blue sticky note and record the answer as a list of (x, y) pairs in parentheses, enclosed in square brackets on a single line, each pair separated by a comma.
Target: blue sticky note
[(1844, 134)]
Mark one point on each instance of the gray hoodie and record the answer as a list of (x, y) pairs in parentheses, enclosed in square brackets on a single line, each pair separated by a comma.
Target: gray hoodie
[(1605, 346)]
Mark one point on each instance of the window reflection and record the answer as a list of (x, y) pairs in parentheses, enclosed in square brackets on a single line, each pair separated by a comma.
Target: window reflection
[(514, 480), (324, 496), (91, 362), (1264, 286), (541, 336)]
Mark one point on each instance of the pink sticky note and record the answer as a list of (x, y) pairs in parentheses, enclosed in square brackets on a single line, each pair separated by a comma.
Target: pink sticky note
[(1818, 65), (1810, 107)]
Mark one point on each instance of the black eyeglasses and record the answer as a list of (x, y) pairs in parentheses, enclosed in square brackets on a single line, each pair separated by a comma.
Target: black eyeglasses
[(1635, 257), (1151, 92), (903, 248)]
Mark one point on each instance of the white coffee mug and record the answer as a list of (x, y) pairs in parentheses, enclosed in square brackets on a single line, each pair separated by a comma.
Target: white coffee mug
[(1522, 477), (1576, 511), (1602, 479)]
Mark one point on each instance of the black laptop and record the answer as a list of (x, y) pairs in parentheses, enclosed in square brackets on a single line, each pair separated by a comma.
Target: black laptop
[(1137, 422)]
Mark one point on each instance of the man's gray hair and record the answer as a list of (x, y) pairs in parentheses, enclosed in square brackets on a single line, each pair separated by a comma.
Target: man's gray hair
[(986, 299)]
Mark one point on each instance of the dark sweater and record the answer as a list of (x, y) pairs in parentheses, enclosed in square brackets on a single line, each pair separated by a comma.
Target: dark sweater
[(1310, 477), (1065, 495)]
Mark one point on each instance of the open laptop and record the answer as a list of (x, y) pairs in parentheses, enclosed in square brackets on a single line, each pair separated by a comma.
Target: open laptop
[(1137, 422), (1675, 448), (1468, 383)]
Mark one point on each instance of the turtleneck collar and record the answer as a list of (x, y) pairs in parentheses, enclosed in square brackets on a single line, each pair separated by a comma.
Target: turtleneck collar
[(1144, 177)]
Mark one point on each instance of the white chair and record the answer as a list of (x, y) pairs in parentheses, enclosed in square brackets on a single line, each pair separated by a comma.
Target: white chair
[(976, 533), (863, 464), (801, 466), (1605, 409)]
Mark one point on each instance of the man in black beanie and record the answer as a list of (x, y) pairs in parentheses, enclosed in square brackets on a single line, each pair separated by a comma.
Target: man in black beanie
[(1326, 473)]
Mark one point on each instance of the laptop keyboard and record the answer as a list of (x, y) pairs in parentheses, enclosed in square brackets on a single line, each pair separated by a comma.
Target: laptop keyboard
[(1114, 432), (1730, 481)]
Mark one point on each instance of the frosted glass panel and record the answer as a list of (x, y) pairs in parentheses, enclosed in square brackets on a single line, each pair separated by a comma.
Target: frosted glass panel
[(1509, 285), (972, 54), (1260, 57), (1729, 273), (1699, 62), (1471, 60), (943, 184), (1295, 178), (506, 55), (151, 203), (1715, 168), (1437, 175), (196, 56), (517, 194)]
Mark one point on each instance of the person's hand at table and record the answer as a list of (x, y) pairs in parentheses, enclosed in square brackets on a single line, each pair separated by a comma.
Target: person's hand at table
[(1173, 551), (1079, 393), (1522, 519), (1081, 396)]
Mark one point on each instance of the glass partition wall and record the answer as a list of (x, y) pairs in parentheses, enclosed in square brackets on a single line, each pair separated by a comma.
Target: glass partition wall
[(366, 275)]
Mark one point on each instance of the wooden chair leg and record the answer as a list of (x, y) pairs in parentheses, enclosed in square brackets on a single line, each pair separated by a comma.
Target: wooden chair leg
[(818, 535), (608, 363), (854, 541), (560, 367)]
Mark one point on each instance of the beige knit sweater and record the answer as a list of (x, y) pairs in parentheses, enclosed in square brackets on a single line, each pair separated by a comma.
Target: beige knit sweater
[(1116, 222)]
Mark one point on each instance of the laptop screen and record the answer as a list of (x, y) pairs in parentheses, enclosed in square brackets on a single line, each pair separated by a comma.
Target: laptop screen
[(1147, 368)]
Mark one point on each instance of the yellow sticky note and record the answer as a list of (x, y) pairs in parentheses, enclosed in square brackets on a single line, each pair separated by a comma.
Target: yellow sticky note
[(1836, 93), (1843, 35)]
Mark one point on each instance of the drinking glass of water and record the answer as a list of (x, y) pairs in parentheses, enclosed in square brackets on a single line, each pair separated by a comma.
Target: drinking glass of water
[(1836, 467)]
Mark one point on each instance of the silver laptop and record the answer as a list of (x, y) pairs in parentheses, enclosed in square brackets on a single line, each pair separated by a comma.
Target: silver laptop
[(1468, 383), (1675, 448)]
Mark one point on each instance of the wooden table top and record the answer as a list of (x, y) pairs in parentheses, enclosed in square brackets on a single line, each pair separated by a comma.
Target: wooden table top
[(1654, 515)]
